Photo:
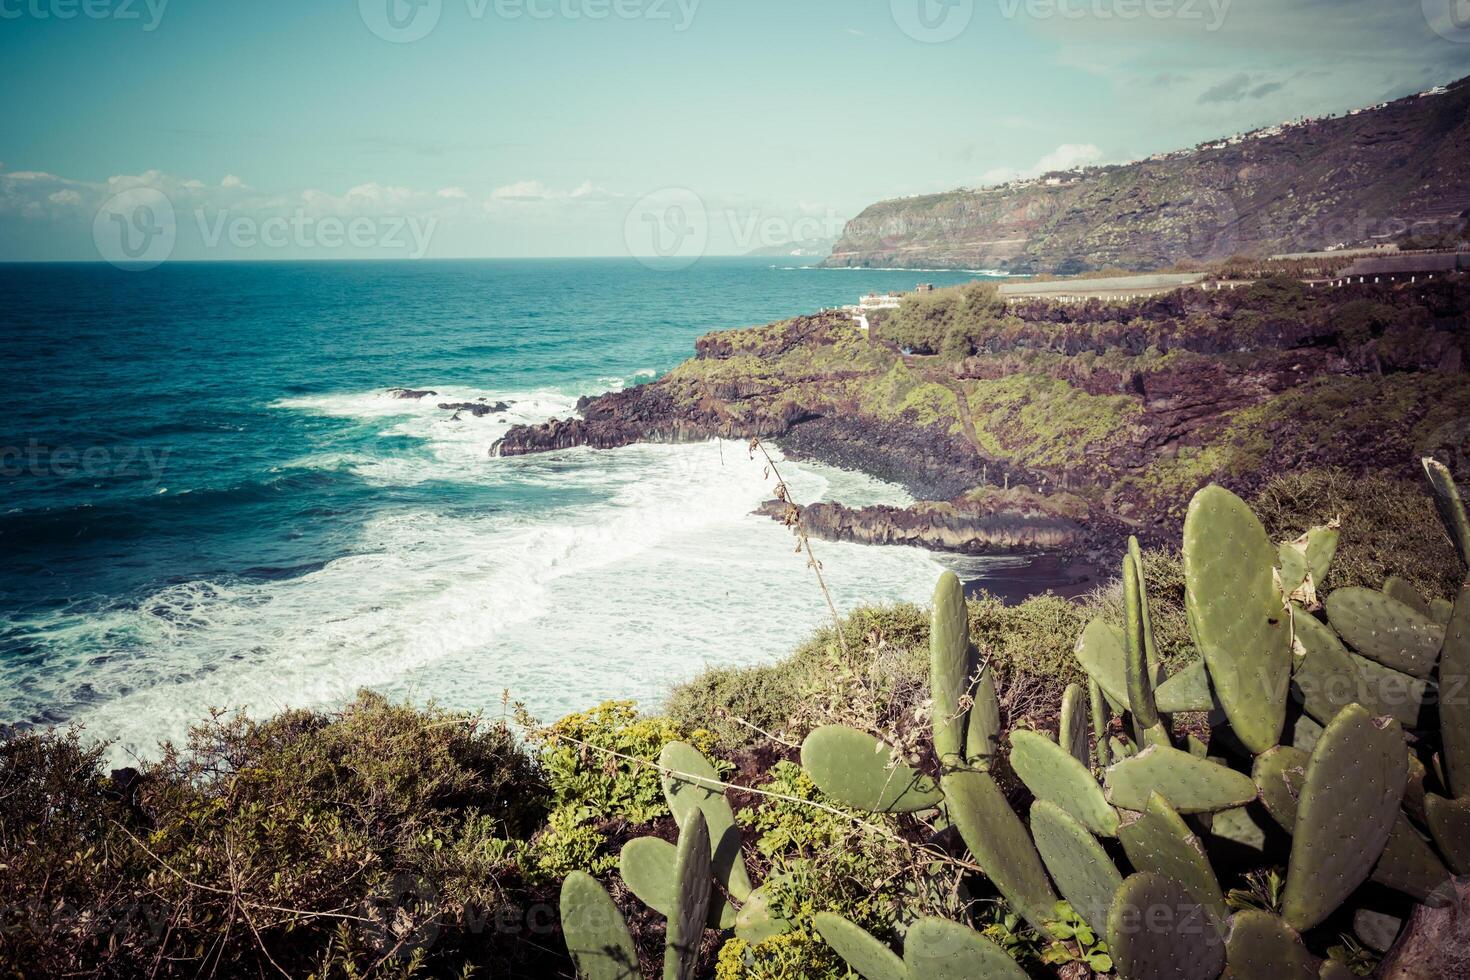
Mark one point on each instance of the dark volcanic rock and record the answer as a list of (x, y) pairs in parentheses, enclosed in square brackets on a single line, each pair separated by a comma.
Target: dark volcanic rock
[(937, 527), (410, 393), (477, 409)]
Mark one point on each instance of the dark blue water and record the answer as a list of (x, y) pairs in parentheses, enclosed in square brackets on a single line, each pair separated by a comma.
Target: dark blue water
[(209, 498)]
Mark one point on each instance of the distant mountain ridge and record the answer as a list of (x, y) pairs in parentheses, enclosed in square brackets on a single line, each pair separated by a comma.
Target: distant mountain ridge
[(1365, 176)]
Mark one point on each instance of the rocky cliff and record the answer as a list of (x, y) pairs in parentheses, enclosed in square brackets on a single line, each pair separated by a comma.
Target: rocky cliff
[(1070, 426), (1358, 178)]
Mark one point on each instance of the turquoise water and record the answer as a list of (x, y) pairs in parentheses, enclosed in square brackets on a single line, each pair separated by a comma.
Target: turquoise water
[(211, 500)]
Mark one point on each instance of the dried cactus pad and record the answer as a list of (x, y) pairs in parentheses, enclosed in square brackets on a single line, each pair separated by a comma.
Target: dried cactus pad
[(1236, 614)]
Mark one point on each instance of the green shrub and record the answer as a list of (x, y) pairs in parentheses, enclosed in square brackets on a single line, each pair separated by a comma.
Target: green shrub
[(376, 838), (1389, 527), (591, 789)]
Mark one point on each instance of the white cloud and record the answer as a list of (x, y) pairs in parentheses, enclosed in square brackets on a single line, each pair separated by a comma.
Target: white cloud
[(522, 190), (65, 197), (233, 183), (453, 194), (1068, 156)]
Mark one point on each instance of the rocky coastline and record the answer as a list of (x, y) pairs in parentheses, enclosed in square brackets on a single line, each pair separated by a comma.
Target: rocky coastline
[(1067, 428)]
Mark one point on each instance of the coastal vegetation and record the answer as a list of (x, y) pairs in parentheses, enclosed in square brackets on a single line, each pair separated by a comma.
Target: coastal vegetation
[(388, 840)]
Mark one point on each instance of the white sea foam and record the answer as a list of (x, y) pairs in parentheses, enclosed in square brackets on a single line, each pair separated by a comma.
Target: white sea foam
[(657, 569)]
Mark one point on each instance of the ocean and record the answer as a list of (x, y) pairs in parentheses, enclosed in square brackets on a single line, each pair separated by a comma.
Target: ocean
[(210, 499)]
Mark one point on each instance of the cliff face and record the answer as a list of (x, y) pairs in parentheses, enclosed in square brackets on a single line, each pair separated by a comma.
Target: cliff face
[(1350, 179), (1072, 425)]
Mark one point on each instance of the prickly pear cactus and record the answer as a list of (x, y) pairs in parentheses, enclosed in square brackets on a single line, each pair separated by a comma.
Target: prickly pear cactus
[(1138, 646), (1454, 702), (703, 793), (982, 735), (1328, 677), (1158, 840), (1156, 929), (691, 900), (937, 949), (1000, 844), (1100, 652), (1082, 870), (857, 769), (596, 934), (861, 951), (647, 865), (1072, 730), (1190, 784), (1385, 630), (1451, 509), (952, 665), (1052, 773), (1236, 614), (1262, 946), (1187, 690), (1100, 720), (1348, 806)]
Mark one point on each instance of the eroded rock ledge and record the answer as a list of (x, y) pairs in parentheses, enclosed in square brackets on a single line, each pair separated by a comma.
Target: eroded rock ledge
[(938, 527)]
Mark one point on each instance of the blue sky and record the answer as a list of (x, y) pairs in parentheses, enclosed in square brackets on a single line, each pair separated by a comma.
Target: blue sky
[(541, 127)]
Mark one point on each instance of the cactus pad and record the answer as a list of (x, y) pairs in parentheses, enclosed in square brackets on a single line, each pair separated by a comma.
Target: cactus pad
[(1345, 814), (951, 667), (859, 950), (1052, 773), (704, 793), (1440, 610), (857, 769), (1101, 716), (1454, 702), (755, 923), (1449, 822), (1263, 947), (938, 949), (1072, 729), (1280, 774), (1082, 870), (1328, 677), (1138, 648), (647, 867), (982, 735), (1400, 589), (1000, 844), (1100, 651), (1451, 509), (1187, 690), (692, 877), (1159, 841), (1156, 929), (1236, 614), (1377, 930), (596, 934), (1383, 629), (1190, 784)]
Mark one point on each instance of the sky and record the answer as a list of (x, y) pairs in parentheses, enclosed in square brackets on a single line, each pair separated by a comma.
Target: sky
[(279, 129)]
